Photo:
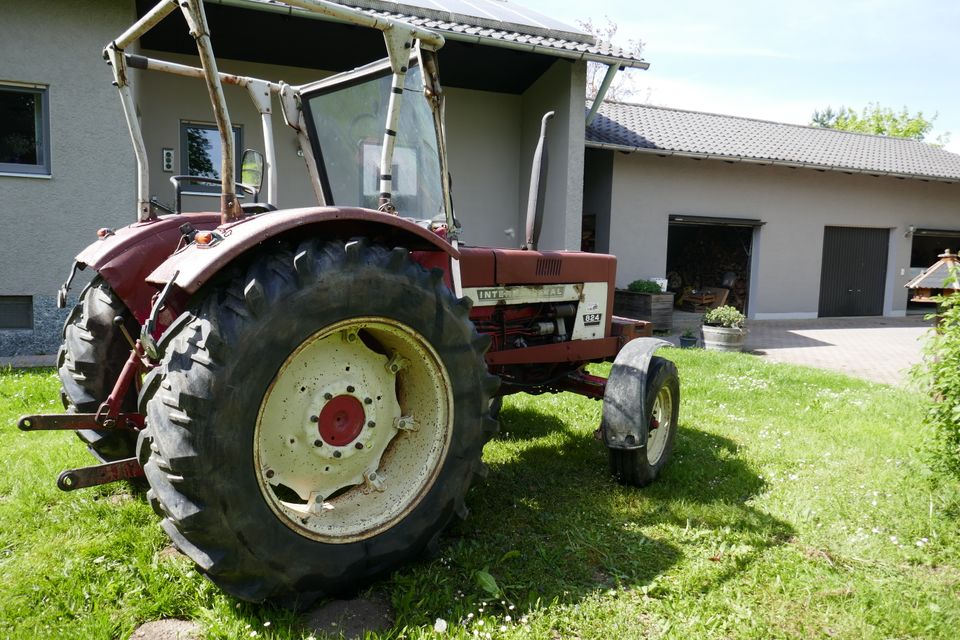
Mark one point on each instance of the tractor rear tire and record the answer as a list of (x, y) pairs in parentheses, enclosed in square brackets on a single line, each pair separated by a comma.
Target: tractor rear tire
[(317, 421), (89, 362), (640, 467)]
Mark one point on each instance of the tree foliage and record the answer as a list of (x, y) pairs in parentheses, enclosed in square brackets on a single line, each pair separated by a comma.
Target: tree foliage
[(939, 374), (624, 86), (877, 120)]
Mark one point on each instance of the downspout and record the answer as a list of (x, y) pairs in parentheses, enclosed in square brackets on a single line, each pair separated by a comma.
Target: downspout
[(602, 91)]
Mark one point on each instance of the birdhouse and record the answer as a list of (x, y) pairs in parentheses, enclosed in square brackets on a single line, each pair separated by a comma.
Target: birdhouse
[(935, 280)]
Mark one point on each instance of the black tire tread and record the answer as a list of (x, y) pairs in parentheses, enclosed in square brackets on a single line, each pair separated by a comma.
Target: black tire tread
[(89, 362), (178, 470)]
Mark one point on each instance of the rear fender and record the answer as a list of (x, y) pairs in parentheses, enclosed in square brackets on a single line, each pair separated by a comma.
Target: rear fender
[(125, 257), (195, 264), (625, 395)]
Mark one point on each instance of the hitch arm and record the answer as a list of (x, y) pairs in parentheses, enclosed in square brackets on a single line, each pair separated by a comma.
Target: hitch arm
[(80, 421), (126, 469)]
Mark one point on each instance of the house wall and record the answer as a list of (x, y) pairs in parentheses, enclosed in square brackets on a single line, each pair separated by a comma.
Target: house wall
[(491, 140), (45, 221), (796, 205), (561, 89)]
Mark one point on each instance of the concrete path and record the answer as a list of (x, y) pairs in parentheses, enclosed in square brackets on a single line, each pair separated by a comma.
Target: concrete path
[(877, 349)]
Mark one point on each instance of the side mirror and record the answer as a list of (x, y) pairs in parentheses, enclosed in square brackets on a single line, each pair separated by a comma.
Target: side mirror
[(251, 170)]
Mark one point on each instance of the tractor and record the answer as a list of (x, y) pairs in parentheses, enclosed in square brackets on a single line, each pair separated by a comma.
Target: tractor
[(307, 392)]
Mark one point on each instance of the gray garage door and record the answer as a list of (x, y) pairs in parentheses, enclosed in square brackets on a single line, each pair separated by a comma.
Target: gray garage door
[(853, 272)]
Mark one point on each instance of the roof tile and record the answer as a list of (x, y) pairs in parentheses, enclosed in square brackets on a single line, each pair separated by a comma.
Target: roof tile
[(646, 127)]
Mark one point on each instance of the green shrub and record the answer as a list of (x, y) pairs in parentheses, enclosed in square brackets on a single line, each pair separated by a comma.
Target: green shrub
[(725, 316), (644, 286), (939, 373)]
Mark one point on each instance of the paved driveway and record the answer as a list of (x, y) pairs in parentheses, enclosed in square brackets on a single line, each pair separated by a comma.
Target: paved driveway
[(877, 349)]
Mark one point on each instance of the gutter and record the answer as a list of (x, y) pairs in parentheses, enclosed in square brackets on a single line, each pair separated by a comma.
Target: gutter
[(766, 161), (259, 5)]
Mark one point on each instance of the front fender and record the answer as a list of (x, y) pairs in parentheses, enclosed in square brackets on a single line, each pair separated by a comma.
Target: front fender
[(194, 265), (624, 397)]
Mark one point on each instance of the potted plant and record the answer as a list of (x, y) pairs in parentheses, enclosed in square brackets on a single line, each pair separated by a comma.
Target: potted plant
[(723, 329), (688, 339), (645, 300)]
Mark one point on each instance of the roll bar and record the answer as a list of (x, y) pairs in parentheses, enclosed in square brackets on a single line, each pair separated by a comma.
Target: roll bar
[(399, 38)]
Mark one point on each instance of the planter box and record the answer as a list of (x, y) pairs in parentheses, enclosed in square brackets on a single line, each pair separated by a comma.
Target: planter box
[(652, 307), (723, 338)]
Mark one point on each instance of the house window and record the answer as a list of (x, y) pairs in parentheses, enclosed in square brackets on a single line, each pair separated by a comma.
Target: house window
[(16, 312), (24, 129), (200, 154)]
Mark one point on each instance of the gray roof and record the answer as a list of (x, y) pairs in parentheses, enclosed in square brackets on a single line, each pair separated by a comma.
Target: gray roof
[(493, 23), (659, 130), (508, 31)]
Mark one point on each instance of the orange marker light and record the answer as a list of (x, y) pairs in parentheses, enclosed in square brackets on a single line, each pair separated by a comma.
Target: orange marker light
[(203, 237)]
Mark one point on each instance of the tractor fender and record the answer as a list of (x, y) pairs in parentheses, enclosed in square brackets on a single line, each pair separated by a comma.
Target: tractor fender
[(195, 264), (623, 398), (125, 257)]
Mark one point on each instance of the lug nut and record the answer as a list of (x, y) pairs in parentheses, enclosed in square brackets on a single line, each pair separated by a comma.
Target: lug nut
[(371, 424), (359, 445), (368, 401), (318, 443), (328, 396), (314, 418), (337, 454), (270, 473), (350, 389)]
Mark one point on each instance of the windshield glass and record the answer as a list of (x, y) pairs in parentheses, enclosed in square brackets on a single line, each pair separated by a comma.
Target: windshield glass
[(349, 122)]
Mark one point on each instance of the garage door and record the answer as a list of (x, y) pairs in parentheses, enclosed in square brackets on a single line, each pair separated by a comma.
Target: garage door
[(853, 272)]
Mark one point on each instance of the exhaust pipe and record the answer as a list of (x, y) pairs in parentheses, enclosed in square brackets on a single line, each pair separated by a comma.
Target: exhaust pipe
[(538, 185)]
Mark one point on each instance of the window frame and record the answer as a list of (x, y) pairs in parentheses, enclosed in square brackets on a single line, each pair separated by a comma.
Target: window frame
[(42, 169), (194, 189), (8, 301)]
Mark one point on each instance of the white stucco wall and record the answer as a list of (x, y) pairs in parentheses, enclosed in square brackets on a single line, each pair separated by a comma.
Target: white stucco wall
[(484, 144), (561, 89), (796, 205), (45, 222)]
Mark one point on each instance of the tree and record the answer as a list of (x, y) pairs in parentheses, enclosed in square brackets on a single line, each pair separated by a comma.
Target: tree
[(624, 86), (878, 120)]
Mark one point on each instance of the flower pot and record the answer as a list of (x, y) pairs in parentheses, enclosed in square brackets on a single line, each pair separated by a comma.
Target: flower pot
[(723, 338), (688, 342), (652, 307)]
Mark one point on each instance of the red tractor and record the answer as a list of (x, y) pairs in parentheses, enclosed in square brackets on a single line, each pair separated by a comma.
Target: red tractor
[(308, 391)]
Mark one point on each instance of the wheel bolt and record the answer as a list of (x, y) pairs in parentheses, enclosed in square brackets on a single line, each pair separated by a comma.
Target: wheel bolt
[(350, 389), (371, 424), (368, 401), (328, 396), (314, 418), (359, 445), (318, 443), (270, 473), (337, 454)]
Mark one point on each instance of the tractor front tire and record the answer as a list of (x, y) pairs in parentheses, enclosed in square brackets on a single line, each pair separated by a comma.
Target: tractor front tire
[(317, 421), (640, 467), (89, 362)]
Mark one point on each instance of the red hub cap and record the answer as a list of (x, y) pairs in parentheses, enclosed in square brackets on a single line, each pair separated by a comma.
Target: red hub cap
[(341, 420)]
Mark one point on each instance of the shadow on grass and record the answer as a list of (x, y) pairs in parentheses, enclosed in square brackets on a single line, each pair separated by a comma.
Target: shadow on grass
[(551, 525)]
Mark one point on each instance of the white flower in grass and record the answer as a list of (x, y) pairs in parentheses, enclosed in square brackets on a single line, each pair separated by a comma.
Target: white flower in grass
[(440, 626)]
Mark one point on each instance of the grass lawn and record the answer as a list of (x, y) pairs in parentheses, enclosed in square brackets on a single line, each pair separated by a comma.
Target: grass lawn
[(797, 505)]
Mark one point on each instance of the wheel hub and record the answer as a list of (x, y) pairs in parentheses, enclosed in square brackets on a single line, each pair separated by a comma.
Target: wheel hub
[(351, 433), (341, 420)]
